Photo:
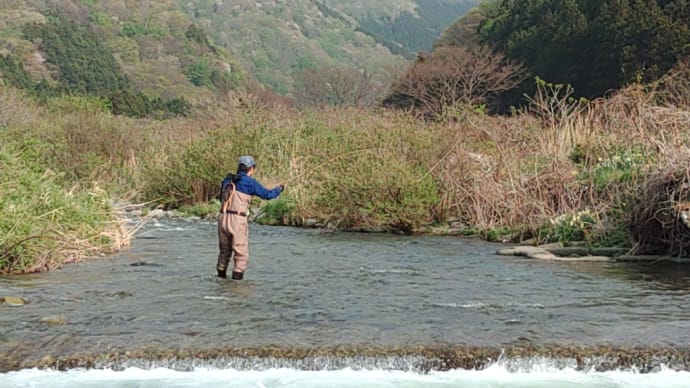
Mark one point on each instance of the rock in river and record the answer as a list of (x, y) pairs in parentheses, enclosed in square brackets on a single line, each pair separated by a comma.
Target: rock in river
[(13, 300), (54, 320)]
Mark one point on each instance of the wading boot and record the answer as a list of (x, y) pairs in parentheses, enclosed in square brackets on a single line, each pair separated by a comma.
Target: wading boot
[(237, 275), (222, 272)]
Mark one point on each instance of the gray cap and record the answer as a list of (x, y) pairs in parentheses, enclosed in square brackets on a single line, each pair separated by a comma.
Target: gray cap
[(247, 161)]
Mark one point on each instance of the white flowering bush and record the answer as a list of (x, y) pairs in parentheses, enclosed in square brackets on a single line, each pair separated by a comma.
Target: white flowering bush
[(575, 226), (618, 168)]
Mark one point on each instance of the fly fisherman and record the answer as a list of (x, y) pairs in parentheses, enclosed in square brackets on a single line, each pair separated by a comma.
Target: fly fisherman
[(233, 231)]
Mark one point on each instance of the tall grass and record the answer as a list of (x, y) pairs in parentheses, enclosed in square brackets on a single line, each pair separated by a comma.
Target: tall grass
[(43, 224), (562, 169)]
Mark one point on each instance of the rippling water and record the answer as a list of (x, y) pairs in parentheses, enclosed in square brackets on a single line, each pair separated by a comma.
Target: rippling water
[(336, 295)]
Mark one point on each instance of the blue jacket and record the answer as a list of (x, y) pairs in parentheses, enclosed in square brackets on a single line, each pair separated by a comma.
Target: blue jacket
[(251, 186)]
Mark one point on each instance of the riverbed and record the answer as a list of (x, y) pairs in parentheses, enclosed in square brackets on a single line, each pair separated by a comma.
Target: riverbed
[(317, 300)]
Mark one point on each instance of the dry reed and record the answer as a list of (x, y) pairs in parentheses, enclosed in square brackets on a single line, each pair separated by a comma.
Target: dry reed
[(360, 167)]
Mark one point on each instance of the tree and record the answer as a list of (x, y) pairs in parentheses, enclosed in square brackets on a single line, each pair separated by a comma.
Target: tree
[(454, 75), (199, 72), (337, 86), (85, 64), (13, 72), (595, 46)]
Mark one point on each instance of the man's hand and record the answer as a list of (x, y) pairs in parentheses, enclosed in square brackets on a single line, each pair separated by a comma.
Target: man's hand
[(282, 187)]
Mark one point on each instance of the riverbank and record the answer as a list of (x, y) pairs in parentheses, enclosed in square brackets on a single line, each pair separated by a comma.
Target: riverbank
[(539, 174)]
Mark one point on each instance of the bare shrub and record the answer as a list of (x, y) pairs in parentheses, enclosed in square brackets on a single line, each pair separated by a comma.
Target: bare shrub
[(652, 117), (659, 221), (549, 191), (674, 88), (256, 96), (561, 115), (492, 174)]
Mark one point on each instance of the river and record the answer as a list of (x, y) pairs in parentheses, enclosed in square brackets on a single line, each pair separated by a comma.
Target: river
[(320, 308)]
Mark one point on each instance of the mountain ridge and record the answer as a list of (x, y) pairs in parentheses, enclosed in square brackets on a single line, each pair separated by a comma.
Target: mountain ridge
[(271, 41)]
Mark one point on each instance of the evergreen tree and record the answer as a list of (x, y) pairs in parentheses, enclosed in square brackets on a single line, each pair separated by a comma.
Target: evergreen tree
[(85, 65), (594, 45), (12, 71)]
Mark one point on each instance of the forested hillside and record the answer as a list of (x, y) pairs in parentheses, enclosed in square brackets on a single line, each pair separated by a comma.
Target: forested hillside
[(141, 58), (276, 40), (412, 28), (496, 54), (159, 52), (597, 46), (279, 39)]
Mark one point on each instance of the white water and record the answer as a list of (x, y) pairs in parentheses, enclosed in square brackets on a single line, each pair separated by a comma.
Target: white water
[(494, 376)]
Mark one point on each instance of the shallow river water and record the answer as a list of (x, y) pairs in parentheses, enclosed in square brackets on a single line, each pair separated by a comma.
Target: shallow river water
[(343, 309)]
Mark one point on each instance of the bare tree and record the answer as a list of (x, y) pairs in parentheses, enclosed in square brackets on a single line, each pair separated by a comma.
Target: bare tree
[(454, 75), (336, 86)]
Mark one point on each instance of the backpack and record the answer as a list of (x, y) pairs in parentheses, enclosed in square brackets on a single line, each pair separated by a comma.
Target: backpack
[(227, 188)]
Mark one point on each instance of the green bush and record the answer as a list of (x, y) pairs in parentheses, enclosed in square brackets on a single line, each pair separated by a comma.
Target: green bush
[(569, 228), (276, 212), (495, 234), (199, 72), (131, 29), (374, 179), (201, 210), (136, 104)]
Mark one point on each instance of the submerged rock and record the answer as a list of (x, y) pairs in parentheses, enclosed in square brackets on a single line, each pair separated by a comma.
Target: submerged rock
[(13, 300), (556, 252), (54, 320), (553, 253)]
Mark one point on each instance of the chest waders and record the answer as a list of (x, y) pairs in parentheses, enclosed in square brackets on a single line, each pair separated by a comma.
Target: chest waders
[(233, 238)]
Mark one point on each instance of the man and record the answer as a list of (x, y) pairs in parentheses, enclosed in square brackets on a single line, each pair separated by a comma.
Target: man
[(233, 230)]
